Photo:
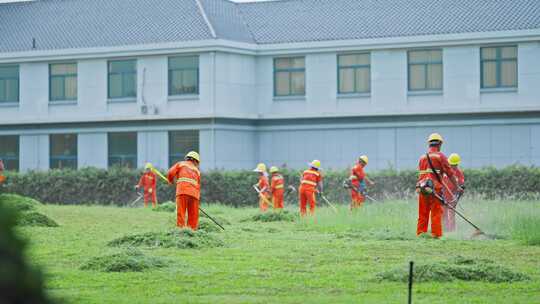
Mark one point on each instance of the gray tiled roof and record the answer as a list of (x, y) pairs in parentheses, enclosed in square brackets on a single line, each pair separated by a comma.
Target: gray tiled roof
[(64, 24)]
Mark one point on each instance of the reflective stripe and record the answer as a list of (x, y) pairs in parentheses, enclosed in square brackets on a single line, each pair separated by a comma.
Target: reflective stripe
[(187, 180), (184, 164), (309, 183), (312, 172), (427, 171), (278, 187), (353, 177)]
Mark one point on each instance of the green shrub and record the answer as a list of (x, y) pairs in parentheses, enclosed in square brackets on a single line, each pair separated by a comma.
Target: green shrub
[(17, 202), (131, 260), (36, 219), (19, 281), (115, 186)]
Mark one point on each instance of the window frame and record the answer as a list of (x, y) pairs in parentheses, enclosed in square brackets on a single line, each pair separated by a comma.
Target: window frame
[(171, 70), (61, 157), (18, 79), (290, 71), (63, 76), (425, 64), (122, 157), (180, 155), (17, 156), (109, 73), (354, 67), (498, 66)]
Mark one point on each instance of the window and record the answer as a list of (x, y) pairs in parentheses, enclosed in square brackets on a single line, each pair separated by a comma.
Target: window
[(9, 152), (499, 67), (425, 70), (180, 143), (63, 151), (63, 81), (354, 74), (122, 79), (289, 76), (183, 75), (9, 83), (123, 149)]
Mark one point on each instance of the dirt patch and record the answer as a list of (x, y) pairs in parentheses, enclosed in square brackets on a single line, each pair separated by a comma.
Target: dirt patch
[(18, 202), (179, 238), (459, 268), (165, 207), (35, 219), (281, 216), (131, 260)]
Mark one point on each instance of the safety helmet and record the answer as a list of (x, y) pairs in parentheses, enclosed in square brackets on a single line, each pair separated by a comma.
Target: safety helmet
[(261, 168), (435, 137), (148, 166), (315, 164), (454, 159), (274, 169), (193, 155), (364, 158)]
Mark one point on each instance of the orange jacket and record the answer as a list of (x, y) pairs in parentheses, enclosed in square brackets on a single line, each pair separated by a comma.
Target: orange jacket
[(440, 164), (357, 174), (310, 179), (148, 181), (459, 177), (188, 179), (278, 183), (263, 184)]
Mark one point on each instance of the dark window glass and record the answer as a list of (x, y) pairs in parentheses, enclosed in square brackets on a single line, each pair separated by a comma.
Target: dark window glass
[(63, 151), (9, 152), (183, 75), (180, 143), (63, 81), (123, 149), (122, 79), (9, 83)]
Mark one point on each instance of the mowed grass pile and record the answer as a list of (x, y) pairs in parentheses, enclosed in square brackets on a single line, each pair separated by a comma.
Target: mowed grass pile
[(129, 260), (329, 258), (178, 238), (165, 207), (27, 208), (273, 216)]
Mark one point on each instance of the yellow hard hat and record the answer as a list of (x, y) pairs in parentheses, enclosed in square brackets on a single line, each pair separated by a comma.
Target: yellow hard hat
[(315, 164), (435, 137), (260, 168), (274, 169), (148, 166), (194, 155), (364, 158), (454, 159)]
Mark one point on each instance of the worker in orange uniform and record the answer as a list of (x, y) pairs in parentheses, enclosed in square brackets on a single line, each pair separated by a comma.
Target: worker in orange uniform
[(188, 190), (2, 177), (148, 183), (359, 182), (263, 187), (277, 187), (311, 180), (451, 193), (432, 166)]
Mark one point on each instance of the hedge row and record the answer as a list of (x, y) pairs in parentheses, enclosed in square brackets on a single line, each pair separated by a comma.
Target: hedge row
[(116, 186)]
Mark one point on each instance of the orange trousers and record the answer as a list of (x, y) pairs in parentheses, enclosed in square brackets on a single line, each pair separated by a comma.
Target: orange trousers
[(263, 202), (357, 199), (429, 206), (150, 197), (307, 197), (277, 199), (190, 205)]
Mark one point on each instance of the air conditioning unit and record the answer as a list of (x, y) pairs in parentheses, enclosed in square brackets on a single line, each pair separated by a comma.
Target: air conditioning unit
[(144, 109)]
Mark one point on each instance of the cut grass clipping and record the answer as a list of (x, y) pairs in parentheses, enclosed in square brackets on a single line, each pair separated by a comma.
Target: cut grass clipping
[(178, 238), (460, 268), (17, 202), (281, 216), (35, 219), (131, 260), (165, 207)]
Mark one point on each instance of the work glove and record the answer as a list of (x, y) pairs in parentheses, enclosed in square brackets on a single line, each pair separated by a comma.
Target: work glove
[(150, 190), (137, 187)]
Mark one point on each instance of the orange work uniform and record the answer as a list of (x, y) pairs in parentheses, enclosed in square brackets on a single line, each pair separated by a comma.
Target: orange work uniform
[(188, 193), (357, 177), (148, 183), (428, 205), (278, 190), (2, 177), (450, 195), (308, 188), (264, 187)]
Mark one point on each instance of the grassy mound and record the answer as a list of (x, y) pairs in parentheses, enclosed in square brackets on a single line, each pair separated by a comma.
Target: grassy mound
[(18, 202), (179, 238), (282, 216), (208, 226), (165, 207), (460, 268), (220, 219), (35, 219), (127, 261)]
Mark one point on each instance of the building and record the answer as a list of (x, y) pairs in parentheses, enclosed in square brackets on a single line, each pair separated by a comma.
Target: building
[(104, 82)]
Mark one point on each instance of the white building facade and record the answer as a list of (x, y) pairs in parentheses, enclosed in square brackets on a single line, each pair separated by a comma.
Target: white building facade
[(241, 91)]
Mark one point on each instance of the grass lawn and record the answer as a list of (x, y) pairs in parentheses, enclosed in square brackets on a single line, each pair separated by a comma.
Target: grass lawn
[(327, 259)]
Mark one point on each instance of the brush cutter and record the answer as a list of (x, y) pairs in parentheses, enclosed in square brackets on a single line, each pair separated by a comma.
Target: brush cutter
[(348, 185), (139, 197), (200, 209), (328, 202), (290, 189), (261, 195), (477, 232)]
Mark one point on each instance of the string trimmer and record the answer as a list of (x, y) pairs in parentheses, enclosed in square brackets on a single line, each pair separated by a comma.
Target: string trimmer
[(347, 184)]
